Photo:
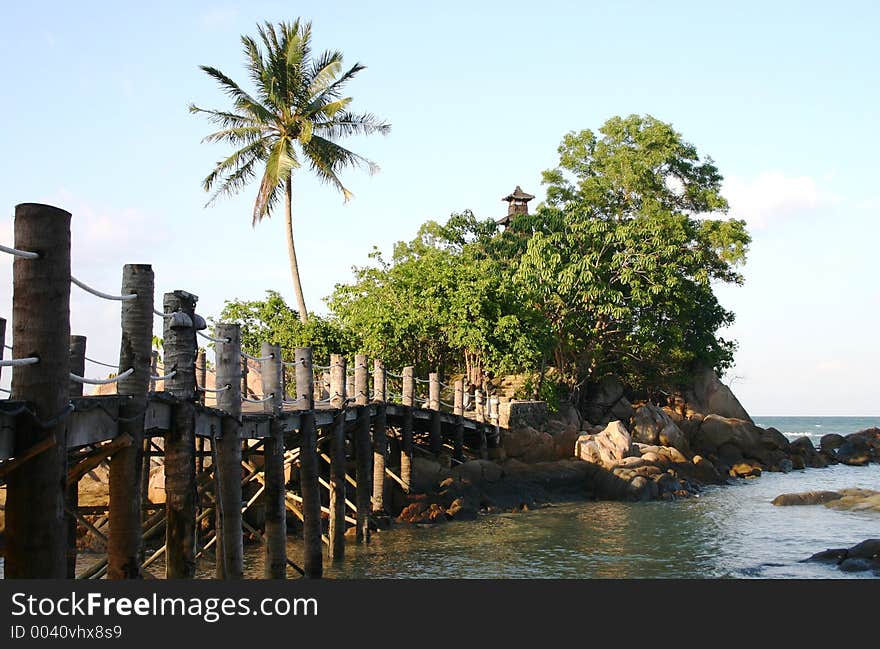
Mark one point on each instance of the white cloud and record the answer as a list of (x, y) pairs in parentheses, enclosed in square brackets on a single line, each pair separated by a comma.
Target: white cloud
[(772, 196)]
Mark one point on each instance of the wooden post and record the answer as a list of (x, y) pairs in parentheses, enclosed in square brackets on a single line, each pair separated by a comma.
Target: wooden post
[(363, 449), (244, 376), (2, 342), (309, 473), (458, 411), (326, 392), (350, 389), (406, 429), (123, 548), (380, 437), (71, 496), (227, 473), (337, 459), (180, 467), (273, 460), (436, 434), (201, 372), (479, 406), (36, 536), (154, 369)]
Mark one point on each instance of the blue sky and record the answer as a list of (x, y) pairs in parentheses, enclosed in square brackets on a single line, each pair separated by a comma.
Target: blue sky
[(783, 97)]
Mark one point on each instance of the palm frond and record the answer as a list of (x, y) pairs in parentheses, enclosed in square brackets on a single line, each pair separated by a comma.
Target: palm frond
[(347, 124), (246, 155), (241, 99), (282, 160)]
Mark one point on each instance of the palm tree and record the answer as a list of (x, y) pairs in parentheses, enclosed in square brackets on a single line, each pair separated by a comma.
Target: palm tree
[(297, 114)]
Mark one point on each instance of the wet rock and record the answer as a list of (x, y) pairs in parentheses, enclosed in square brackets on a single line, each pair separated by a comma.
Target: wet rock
[(804, 448), (855, 565), (744, 470), (461, 510), (806, 498), (478, 472), (854, 451), (831, 442)]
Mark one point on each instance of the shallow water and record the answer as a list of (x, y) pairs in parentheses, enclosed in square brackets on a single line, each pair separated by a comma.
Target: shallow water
[(731, 531)]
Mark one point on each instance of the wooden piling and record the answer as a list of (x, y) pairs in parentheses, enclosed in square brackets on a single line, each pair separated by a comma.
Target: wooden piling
[(123, 548), (406, 428), (2, 342), (36, 536), (363, 449), (275, 532), (201, 373), (180, 468), (71, 496), (479, 406), (436, 434), (380, 437), (227, 473), (458, 411), (309, 472), (336, 533), (244, 377)]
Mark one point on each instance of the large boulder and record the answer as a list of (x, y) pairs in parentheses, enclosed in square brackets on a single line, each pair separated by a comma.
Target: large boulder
[(652, 425), (607, 448), (607, 403), (803, 448), (529, 445), (806, 498), (426, 474), (710, 396), (715, 431), (478, 472)]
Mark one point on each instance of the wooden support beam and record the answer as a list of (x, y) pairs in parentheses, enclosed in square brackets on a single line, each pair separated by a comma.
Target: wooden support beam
[(135, 353), (94, 459), (406, 429), (363, 449), (180, 468), (275, 548), (15, 463), (229, 550), (337, 459), (71, 494), (458, 411), (305, 402), (36, 534), (380, 439)]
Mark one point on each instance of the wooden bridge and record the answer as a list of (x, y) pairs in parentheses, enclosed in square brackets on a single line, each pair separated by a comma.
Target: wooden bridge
[(51, 435)]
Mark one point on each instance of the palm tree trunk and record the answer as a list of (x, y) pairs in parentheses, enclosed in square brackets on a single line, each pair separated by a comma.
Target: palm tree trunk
[(291, 251)]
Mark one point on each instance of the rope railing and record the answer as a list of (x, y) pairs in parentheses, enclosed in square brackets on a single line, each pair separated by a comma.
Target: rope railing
[(268, 397), (393, 375), (212, 339), (164, 377), (24, 254), (214, 390), (258, 358), (19, 362), (76, 378), (293, 363), (5, 390), (101, 294), (92, 360)]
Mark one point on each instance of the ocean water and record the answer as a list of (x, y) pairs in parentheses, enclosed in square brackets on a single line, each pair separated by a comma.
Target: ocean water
[(815, 427), (727, 532)]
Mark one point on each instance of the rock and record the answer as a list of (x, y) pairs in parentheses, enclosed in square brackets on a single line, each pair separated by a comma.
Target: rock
[(831, 441), (772, 439), (564, 442), (869, 549), (855, 565), (716, 431), (806, 498), (460, 510), (427, 474), (854, 451), (785, 466), (857, 500), (832, 555), (529, 445), (652, 425), (744, 470), (710, 396), (606, 448), (478, 472), (607, 402), (804, 448), (730, 454)]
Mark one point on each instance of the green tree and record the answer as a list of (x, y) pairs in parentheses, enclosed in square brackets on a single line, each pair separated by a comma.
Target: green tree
[(297, 115), (272, 320), (441, 303), (618, 262)]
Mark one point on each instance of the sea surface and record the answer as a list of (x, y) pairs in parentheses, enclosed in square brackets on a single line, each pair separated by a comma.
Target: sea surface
[(727, 532)]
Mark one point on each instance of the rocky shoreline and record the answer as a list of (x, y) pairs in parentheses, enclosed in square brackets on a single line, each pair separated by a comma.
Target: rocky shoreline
[(623, 451)]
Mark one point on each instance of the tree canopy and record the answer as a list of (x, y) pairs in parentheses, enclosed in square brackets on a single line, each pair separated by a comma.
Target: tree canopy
[(614, 274)]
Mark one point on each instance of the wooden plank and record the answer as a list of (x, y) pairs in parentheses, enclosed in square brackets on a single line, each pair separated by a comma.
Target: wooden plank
[(7, 467), (94, 425)]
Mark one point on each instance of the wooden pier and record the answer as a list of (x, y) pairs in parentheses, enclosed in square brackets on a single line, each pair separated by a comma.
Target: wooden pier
[(328, 456)]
